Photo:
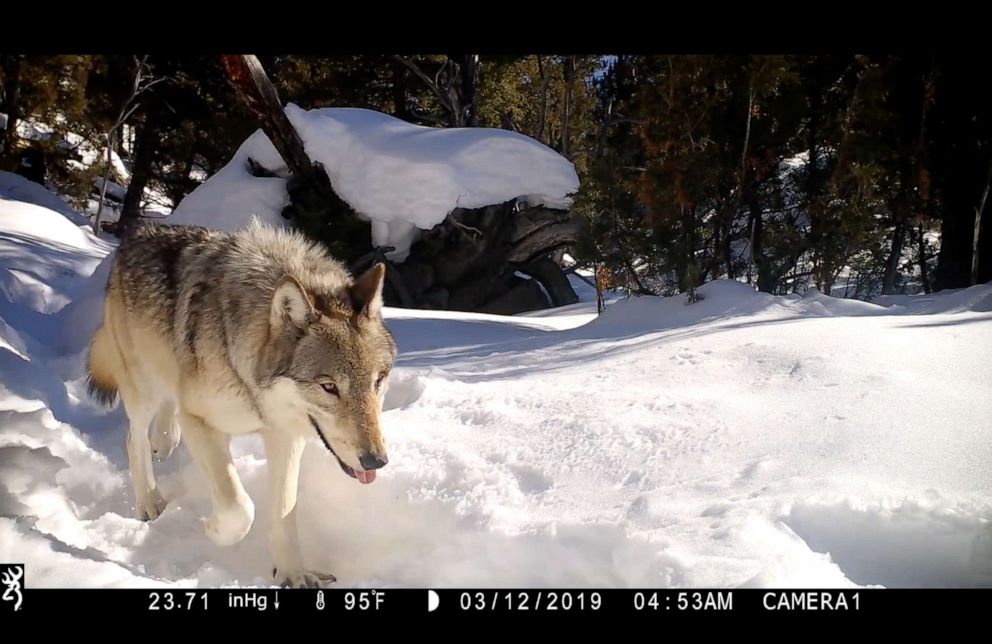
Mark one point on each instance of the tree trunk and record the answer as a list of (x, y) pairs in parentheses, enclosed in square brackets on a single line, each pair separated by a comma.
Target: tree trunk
[(688, 273), (892, 263), (723, 229), (920, 197), (399, 91), (452, 91), (256, 90), (11, 91), (728, 252), (756, 226), (717, 245), (922, 255), (633, 280), (961, 171), (145, 149), (569, 71), (814, 181), (314, 205), (956, 239), (103, 187), (542, 116), (600, 274), (469, 97), (745, 191), (978, 227)]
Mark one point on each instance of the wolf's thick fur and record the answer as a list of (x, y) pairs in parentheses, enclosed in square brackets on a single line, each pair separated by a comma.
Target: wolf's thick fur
[(209, 334)]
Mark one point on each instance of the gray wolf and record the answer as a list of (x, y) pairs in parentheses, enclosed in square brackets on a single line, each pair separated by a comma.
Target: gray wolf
[(209, 334)]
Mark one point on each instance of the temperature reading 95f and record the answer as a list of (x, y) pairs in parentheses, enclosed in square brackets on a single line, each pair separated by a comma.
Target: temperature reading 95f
[(364, 600)]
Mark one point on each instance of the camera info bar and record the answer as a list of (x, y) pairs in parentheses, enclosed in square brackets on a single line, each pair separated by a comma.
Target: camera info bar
[(441, 603)]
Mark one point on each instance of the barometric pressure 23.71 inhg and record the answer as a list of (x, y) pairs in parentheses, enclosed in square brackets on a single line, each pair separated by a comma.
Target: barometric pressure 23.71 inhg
[(177, 601)]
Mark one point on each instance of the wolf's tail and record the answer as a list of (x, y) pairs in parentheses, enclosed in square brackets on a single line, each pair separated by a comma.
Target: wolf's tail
[(99, 365)]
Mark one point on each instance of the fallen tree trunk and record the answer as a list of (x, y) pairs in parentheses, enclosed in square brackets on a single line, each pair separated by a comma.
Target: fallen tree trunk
[(255, 89), (468, 262), (314, 205)]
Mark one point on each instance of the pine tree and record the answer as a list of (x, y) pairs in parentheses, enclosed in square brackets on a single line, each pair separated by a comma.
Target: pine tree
[(48, 91), (615, 239)]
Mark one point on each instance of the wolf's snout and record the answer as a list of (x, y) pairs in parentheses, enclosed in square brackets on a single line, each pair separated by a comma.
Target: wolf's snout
[(372, 461)]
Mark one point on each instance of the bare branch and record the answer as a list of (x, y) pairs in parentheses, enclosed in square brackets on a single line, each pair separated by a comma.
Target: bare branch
[(545, 81), (458, 224), (141, 82), (978, 228), (433, 85)]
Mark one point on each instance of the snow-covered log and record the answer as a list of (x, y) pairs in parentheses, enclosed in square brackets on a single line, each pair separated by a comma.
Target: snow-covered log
[(496, 199)]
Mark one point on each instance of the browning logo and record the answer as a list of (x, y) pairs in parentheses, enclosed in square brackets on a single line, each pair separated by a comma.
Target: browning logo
[(13, 581)]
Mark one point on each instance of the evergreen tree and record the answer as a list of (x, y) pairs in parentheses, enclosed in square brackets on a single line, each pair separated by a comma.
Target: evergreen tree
[(47, 92), (852, 174)]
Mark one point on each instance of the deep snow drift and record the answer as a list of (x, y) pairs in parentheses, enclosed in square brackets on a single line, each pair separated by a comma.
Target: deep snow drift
[(746, 440), (401, 177), (14, 187)]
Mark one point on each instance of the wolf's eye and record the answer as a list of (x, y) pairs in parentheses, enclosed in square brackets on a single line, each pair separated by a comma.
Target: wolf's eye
[(380, 380), (330, 388)]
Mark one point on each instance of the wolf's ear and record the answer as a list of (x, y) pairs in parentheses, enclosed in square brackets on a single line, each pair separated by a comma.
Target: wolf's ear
[(366, 292), (291, 303)]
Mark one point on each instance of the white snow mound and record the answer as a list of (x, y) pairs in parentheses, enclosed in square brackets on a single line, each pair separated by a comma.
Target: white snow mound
[(14, 187), (399, 176)]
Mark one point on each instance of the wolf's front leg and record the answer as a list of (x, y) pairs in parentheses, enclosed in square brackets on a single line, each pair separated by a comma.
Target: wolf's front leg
[(283, 454), (233, 510)]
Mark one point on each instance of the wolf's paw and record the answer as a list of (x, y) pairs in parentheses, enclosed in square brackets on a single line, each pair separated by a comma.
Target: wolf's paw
[(301, 579), (164, 440), (229, 526), (150, 507)]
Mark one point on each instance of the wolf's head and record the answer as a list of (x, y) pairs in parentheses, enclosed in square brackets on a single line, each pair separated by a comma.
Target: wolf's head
[(330, 355)]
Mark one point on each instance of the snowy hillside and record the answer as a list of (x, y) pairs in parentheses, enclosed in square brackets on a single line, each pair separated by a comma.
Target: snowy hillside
[(747, 440), (399, 176), (14, 187)]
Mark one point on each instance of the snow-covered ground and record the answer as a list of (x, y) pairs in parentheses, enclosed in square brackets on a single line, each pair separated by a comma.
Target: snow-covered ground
[(14, 187), (746, 440)]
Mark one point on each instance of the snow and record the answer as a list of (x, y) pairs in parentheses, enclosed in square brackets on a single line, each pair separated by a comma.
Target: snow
[(974, 298), (747, 440), (14, 187), (399, 176)]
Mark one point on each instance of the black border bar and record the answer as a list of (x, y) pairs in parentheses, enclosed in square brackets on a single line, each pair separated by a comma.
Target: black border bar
[(546, 602)]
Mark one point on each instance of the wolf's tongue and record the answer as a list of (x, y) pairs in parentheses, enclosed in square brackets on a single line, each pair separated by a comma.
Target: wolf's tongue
[(365, 477)]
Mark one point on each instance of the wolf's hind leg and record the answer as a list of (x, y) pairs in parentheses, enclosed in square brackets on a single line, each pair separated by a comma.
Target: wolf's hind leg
[(148, 501), (233, 510), (165, 431)]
